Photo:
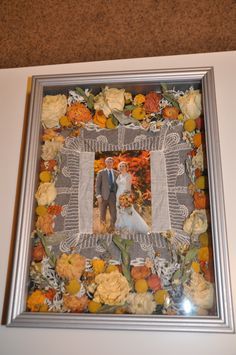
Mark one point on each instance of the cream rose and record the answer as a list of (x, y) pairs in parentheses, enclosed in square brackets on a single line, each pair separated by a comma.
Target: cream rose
[(196, 223), (50, 149), (46, 193), (109, 100), (53, 108), (112, 288), (190, 104), (141, 303), (200, 292)]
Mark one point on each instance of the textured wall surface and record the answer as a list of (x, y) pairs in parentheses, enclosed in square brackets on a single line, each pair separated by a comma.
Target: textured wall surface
[(39, 32)]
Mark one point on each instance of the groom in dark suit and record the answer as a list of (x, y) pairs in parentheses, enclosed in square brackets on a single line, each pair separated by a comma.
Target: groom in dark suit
[(106, 188)]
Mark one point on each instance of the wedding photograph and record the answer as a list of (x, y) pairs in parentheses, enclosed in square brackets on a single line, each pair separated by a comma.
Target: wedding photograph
[(122, 192)]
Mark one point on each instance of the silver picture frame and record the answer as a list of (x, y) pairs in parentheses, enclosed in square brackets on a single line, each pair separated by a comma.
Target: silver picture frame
[(17, 315)]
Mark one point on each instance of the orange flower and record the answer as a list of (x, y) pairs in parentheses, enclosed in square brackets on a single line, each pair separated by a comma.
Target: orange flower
[(78, 113), (152, 101), (50, 294), (170, 112), (54, 210), (154, 282), (35, 301), (197, 140), (70, 266), (48, 165), (45, 223), (38, 252), (140, 272), (76, 304), (200, 200)]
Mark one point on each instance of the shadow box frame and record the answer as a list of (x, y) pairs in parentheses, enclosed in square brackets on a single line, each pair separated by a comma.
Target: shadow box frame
[(17, 316)]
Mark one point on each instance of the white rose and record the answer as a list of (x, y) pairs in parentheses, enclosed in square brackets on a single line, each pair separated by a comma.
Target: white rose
[(196, 223), (46, 193), (50, 149), (190, 104), (141, 303), (109, 100), (200, 292), (53, 108)]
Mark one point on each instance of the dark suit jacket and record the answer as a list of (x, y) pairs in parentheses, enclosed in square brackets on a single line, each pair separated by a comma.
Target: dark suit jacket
[(102, 183)]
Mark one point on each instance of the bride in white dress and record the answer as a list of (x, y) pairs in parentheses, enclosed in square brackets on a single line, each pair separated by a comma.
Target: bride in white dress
[(128, 219)]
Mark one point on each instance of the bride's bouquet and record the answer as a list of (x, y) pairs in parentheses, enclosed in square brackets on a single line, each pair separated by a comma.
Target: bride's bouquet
[(126, 201)]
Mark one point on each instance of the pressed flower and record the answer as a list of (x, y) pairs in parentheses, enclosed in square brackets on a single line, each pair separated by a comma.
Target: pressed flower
[(201, 182), (75, 304), (110, 124), (38, 252), (190, 125), (190, 104), (64, 121), (200, 292), (45, 176), (203, 254), (204, 239), (195, 266), (196, 223), (41, 210), (46, 193), (73, 287), (138, 113), (160, 296), (112, 288), (51, 149), (49, 165), (154, 282), (139, 99), (128, 97), (140, 272), (45, 224), (141, 303), (109, 100), (94, 307), (111, 268), (100, 119), (197, 140), (53, 107), (54, 210), (200, 200), (49, 134), (152, 102), (98, 265), (50, 294), (170, 112), (78, 113), (70, 266), (36, 301), (141, 286)]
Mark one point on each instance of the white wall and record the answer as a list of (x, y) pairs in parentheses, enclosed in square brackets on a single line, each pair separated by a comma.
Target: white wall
[(20, 341)]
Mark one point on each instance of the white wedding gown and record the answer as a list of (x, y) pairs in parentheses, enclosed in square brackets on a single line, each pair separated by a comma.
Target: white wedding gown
[(128, 219)]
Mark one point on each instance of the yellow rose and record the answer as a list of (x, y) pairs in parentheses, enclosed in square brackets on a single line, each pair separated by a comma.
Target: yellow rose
[(112, 288)]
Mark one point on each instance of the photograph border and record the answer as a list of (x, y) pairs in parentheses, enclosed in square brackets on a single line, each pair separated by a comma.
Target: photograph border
[(17, 317)]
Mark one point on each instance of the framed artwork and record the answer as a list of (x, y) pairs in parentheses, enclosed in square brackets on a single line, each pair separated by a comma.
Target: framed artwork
[(121, 219)]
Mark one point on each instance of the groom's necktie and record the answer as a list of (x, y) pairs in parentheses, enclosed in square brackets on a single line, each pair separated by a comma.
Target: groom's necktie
[(110, 177)]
